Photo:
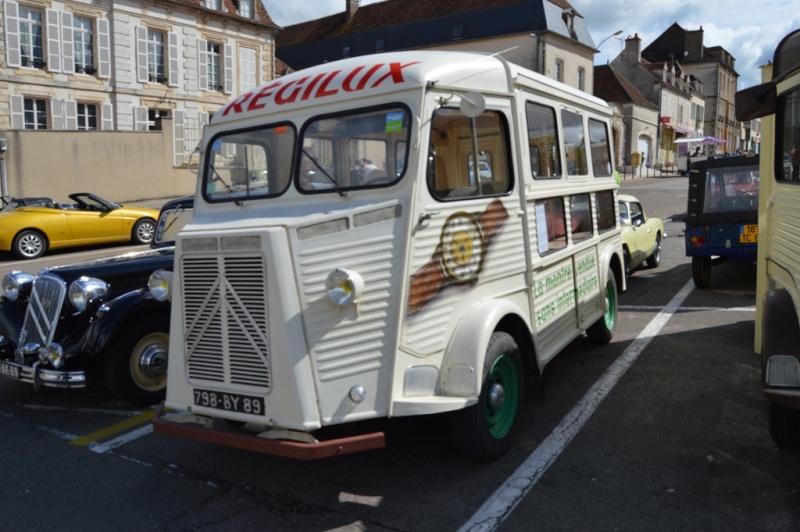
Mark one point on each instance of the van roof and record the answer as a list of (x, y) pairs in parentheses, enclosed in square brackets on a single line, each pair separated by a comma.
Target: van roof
[(370, 75)]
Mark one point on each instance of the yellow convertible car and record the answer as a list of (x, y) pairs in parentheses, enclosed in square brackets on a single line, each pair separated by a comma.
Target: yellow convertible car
[(641, 235), (29, 231)]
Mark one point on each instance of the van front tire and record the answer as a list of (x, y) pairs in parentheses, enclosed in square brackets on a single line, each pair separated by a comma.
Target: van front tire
[(484, 431)]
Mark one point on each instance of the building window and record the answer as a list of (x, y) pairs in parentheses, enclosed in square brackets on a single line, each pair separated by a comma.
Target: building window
[(83, 39), (87, 116), (346, 51), (560, 70), (582, 78), (155, 57), (246, 8), (30, 38), (213, 61), (212, 4), (35, 113), (380, 44), (458, 31)]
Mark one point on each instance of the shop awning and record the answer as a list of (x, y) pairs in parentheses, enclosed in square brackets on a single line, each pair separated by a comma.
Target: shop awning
[(700, 140)]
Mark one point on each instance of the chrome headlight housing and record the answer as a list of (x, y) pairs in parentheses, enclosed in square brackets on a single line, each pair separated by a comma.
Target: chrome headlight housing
[(160, 285), (16, 282), (344, 286), (83, 290)]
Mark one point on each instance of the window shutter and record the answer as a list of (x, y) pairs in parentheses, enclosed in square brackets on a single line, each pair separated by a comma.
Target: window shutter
[(106, 117), (178, 130), (53, 41), (71, 115), (202, 66), (17, 111), (67, 44), (228, 69), (140, 122), (141, 54), (13, 53), (57, 112), (103, 49), (174, 62)]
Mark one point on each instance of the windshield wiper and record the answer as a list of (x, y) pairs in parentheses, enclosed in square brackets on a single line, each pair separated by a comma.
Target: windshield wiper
[(330, 178), (219, 178)]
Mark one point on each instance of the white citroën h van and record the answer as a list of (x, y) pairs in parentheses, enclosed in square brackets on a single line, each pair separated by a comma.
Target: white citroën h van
[(345, 262)]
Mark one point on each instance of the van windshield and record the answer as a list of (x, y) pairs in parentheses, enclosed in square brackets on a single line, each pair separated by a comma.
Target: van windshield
[(360, 149), (248, 164)]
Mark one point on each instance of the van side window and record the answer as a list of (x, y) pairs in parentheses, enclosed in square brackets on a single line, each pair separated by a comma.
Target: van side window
[(543, 141), (604, 205), (787, 160), (451, 169), (580, 214), (574, 143), (551, 232), (600, 146)]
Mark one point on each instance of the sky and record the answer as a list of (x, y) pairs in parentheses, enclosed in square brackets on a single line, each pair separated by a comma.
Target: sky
[(748, 29)]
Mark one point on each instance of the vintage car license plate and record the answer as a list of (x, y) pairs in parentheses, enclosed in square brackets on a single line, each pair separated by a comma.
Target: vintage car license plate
[(232, 402), (748, 234), (9, 370)]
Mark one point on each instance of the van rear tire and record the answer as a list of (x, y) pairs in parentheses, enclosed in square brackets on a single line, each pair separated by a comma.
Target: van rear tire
[(602, 330)]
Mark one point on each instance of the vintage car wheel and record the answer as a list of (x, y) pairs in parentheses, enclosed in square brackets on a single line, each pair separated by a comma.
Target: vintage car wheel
[(144, 230), (655, 259), (701, 271), (601, 331), (29, 244), (784, 425), (484, 431), (135, 363)]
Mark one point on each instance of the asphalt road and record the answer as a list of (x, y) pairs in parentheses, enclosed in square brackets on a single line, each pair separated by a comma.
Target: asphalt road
[(662, 429)]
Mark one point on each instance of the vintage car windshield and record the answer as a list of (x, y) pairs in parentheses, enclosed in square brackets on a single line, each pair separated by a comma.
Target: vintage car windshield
[(246, 164), (170, 223), (360, 149)]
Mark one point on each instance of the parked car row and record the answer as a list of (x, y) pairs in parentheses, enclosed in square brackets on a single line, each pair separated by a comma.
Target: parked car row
[(58, 326)]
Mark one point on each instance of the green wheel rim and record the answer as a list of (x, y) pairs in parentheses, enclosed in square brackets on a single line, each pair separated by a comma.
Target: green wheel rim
[(611, 306), (500, 418)]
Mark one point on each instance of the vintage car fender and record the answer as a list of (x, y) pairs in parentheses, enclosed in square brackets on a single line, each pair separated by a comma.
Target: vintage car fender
[(462, 370), (114, 313)]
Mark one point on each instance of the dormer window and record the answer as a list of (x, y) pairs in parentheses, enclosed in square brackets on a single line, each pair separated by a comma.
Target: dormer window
[(568, 15), (245, 8), (213, 4), (458, 31)]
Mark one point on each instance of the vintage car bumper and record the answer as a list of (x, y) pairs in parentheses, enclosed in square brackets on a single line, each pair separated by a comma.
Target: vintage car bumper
[(201, 428), (42, 377)]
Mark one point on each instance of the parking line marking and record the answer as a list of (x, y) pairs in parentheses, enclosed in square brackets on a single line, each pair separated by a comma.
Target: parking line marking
[(113, 429), (689, 309), (503, 501), (101, 448)]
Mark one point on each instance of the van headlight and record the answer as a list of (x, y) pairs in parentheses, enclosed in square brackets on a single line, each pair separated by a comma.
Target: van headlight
[(14, 283), (83, 290), (160, 285), (344, 286)]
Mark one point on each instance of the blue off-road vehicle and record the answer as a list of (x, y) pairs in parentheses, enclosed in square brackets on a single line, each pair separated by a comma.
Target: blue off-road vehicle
[(722, 214)]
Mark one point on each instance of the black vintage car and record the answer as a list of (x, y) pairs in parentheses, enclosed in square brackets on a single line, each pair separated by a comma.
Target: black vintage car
[(59, 325)]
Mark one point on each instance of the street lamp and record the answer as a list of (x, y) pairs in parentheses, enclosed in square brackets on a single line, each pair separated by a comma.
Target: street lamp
[(607, 38)]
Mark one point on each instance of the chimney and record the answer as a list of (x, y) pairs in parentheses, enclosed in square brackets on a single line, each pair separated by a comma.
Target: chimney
[(352, 7), (633, 48)]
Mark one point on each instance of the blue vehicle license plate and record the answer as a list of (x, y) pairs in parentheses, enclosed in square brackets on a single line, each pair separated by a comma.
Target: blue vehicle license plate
[(232, 402)]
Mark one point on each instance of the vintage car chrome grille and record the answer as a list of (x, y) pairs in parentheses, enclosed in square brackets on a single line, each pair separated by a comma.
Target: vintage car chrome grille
[(44, 308), (226, 319)]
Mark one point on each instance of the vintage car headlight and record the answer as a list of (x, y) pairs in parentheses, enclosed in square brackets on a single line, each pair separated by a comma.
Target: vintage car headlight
[(15, 282), (160, 285), (344, 286), (83, 290), (52, 354)]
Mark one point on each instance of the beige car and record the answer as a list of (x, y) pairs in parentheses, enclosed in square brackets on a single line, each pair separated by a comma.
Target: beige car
[(641, 236)]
